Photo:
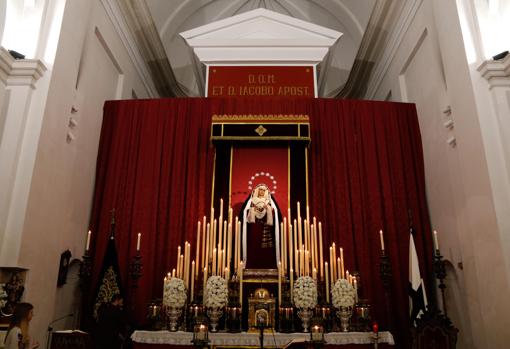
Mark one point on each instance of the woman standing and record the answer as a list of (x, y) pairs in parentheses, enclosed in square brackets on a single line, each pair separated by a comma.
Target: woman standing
[(17, 334)]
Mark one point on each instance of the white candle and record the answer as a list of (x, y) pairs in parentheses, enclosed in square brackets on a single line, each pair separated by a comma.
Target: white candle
[(320, 251), (192, 280), (342, 262), (355, 291), (241, 283), (178, 259), (197, 251), (291, 284), (205, 281), (87, 246), (382, 239), (138, 241), (207, 243), (327, 281), (436, 243), (279, 283)]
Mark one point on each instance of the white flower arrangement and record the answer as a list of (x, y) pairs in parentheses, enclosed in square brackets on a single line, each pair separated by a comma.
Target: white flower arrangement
[(174, 293), (343, 294), (216, 294), (305, 293), (3, 296)]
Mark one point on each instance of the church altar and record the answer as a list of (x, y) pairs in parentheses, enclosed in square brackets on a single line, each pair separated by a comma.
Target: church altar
[(244, 339)]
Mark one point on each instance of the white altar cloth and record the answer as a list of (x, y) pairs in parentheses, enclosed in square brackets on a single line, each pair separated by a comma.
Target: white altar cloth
[(252, 339)]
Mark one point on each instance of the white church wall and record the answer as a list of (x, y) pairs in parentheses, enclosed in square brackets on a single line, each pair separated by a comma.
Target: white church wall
[(91, 65), (430, 69)]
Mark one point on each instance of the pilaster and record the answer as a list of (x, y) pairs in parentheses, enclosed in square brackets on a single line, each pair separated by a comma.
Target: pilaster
[(18, 80)]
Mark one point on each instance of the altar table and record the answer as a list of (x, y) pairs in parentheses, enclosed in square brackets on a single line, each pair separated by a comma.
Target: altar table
[(166, 339)]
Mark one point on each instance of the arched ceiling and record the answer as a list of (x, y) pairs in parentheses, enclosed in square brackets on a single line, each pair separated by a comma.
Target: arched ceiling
[(351, 17)]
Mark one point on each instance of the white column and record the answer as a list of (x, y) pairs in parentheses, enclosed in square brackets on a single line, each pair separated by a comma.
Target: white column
[(18, 147)]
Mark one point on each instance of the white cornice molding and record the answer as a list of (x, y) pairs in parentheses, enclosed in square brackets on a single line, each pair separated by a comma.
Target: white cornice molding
[(393, 43), (19, 72), (261, 36), (115, 15), (497, 73)]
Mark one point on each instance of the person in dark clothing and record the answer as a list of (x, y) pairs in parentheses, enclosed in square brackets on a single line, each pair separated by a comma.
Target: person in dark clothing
[(111, 324)]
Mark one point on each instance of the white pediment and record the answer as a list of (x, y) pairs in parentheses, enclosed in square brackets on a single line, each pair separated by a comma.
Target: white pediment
[(261, 36)]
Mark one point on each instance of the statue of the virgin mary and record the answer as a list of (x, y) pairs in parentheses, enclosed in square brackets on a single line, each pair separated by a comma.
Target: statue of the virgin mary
[(261, 230)]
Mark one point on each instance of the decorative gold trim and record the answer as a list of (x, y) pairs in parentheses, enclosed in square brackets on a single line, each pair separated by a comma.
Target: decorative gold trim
[(267, 281), (268, 138), (261, 130), (258, 117)]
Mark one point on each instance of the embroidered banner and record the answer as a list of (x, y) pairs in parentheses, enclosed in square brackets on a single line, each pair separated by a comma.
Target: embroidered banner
[(261, 81)]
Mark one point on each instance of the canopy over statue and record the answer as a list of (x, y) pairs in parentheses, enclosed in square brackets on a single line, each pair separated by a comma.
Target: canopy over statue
[(261, 230)]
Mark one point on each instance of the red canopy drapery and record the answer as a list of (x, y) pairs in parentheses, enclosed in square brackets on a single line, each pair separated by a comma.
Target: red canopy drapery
[(155, 166)]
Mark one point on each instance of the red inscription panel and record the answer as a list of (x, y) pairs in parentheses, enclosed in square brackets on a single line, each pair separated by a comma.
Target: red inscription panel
[(261, 81)]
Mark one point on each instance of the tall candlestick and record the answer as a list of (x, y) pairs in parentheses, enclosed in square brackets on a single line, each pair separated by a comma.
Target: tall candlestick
[(173, 272), (197, 253), (212, 216), (327, 281), (339, 273), (312, 249), (332, 270), (204, 281), (220, 222), (291, 284), (208, 244), (308, 214), (139, 237), (178, 259), (320, 251), (192, 281), (241, 283), (279, 284), (229, 245), (331, 264), (181, 266), (299, 233), (214, 237), (87, 245), (355, 291), (436, 243), (213, 270), (335, 269), (342, 262), (186, 263), (295, 248), (382, 239), (223, 260), (203, 246), (236, 254), (289, 218), (305, 235), (307, 263), (290, 248)]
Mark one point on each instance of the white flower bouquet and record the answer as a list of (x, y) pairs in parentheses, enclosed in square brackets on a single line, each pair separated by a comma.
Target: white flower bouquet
[(305, 293), (174, 293), (216, 293), (343, 294)]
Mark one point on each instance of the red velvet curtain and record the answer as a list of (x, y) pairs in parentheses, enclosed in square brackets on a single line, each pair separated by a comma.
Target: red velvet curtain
[(365, 168)]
